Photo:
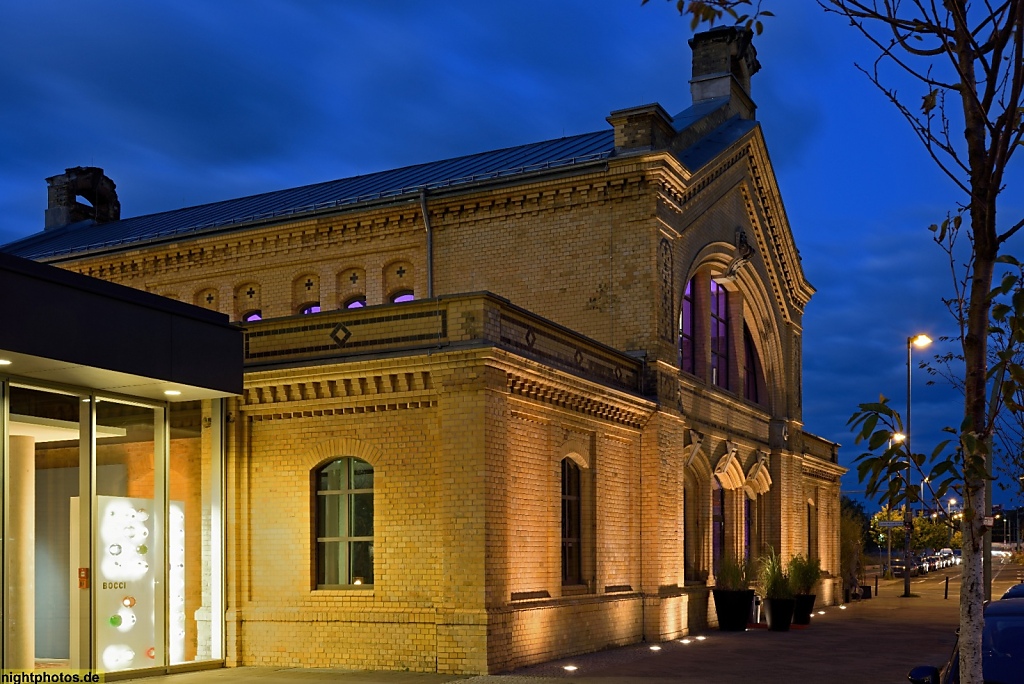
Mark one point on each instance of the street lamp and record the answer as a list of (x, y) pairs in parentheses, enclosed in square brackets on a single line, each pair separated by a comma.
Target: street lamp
[(919, 340)]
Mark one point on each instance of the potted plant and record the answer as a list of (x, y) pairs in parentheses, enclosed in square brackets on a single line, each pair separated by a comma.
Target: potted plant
[(733, 595), (804, 573), (773, 580)]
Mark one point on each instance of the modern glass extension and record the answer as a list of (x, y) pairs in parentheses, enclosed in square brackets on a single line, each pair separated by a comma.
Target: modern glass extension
[(112, 552)]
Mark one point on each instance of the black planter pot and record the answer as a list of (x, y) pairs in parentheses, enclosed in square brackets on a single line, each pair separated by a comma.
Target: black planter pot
[(733, 608), (803, 606), (778, 613)]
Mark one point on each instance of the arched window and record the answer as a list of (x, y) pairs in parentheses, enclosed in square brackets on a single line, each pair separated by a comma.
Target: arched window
[(310, 308), (692, 541), (812, 531), (751, 368), (572, 541), (717, 524), (719, 336), (254, 315), (402, 296), (344, 523), (357, 302), (687, 361)]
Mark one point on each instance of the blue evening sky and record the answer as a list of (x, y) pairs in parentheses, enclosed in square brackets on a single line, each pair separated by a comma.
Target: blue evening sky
[(190, 102)]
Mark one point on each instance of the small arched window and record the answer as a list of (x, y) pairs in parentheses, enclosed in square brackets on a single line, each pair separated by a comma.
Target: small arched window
[(254, 315), (572, 541), (310, 308), (344, 523), (357, 302), (402, 296)]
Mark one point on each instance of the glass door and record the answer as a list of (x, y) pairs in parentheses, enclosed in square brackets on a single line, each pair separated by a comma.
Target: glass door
[(129, 548)]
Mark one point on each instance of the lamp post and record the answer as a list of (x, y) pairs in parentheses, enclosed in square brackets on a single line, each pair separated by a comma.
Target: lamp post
[(896, 437), (920, 340), (949, 514)]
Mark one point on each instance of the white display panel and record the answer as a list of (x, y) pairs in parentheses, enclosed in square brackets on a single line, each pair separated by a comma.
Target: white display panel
[(128, 587)]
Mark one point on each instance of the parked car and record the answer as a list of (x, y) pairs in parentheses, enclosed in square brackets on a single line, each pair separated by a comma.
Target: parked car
[(958, 556), (1016, 591), (898, 565), (946, 555), (1002, 646), (935, 562)]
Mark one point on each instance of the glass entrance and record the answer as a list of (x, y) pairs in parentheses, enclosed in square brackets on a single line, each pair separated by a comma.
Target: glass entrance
[(111, 531)]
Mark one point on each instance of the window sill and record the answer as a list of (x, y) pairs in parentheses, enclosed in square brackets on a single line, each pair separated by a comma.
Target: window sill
[(345, 588)]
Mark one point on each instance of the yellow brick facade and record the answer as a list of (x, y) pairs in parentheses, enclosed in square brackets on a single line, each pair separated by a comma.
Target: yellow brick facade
[(466, 406)]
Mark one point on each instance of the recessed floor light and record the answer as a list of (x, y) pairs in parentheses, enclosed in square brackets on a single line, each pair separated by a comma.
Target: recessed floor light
[(569, 668), (842, 607), (655, 648), (701, 638), (821, 612), (685, 641)]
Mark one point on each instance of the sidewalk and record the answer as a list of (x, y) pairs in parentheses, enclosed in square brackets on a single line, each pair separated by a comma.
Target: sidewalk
[(875, 640)]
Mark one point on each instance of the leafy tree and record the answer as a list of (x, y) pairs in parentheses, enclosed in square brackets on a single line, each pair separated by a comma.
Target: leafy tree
[(927, 533), (968, 60)]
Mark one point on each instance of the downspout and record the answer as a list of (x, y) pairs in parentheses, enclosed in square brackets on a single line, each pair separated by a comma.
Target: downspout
[(430, 243)]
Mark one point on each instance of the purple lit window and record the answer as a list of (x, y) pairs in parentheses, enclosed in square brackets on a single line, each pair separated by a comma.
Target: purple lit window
[(255, 315), (686, 320), (357, 302), (719, 336), (311, 308), (402, 296)]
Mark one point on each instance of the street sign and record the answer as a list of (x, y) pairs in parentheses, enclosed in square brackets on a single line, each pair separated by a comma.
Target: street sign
[(890, 523)]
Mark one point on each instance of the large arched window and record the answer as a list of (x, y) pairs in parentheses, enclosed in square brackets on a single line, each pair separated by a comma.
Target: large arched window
[(687, 361), (344, 523), (572, 540), (752, 372), (719, 336)]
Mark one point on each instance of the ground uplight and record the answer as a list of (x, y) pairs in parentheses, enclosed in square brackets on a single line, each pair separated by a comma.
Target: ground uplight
[(569, 668)]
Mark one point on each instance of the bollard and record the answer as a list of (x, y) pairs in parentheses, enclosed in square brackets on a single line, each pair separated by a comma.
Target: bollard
[(947, 588), (876, 585)]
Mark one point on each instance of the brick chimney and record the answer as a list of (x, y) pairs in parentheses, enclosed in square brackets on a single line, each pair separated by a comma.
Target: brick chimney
[(724, 59), (89, 182)]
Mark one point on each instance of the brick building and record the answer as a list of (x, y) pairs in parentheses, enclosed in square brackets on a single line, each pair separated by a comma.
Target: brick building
[(501, 408)]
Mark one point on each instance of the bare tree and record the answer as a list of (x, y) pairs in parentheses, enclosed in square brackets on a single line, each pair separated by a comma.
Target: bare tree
[(968, 59)]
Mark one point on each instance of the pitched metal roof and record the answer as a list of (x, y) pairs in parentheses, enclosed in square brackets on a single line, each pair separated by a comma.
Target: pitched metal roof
[(496, 164), (88, 237)]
